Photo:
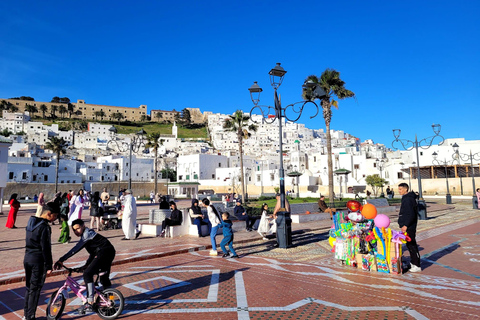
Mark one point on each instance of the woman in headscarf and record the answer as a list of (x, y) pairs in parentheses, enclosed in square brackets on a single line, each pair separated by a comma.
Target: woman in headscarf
[(41, 203), (76, 207), (196, 214), (12, 214)]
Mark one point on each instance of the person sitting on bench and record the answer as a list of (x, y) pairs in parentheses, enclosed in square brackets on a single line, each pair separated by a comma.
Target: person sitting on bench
[(174, 220), (322, 206)]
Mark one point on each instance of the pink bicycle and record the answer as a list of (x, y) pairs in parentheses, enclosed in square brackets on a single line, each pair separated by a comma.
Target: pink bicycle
[(108, 303)]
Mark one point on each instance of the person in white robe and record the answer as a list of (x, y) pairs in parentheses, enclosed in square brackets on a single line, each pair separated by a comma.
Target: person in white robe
[(129, 218), (76, 207)]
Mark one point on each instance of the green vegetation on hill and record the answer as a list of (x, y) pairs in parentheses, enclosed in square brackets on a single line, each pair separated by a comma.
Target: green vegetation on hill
[(127, 128)]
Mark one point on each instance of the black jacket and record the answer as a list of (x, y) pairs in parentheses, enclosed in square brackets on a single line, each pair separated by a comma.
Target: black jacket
[(93, 242), (408, 215), (176, 216), (38, 243), (238, 211)]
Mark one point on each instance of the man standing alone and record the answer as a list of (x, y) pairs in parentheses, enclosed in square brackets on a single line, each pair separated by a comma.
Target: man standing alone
[(129, 219), (407, 221)]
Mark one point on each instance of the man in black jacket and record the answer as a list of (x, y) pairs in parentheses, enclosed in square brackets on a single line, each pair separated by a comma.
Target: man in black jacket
[(407, 221), (38, 256), (100, 260)]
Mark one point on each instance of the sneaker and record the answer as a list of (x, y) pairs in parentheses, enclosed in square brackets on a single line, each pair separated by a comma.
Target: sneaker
[(87, 307), (265, 238), (225, 255), (235, 257), (213, 253), (137, 234), (414, 268)]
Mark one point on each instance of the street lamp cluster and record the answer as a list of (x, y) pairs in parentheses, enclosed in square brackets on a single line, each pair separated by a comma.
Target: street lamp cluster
[(465, 157), (269, 115), (135, 144), (424, 144)]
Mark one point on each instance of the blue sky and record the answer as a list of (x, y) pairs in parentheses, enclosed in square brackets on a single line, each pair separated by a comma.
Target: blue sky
[(410, 63)]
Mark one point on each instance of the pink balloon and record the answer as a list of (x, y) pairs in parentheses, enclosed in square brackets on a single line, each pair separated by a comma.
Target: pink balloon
[(382, 221)]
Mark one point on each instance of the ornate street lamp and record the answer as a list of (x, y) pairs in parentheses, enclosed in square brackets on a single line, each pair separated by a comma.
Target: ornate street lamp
[(465, 157), (380, 165), (269, 115), (136, 143), (424, 144), (444, 163)]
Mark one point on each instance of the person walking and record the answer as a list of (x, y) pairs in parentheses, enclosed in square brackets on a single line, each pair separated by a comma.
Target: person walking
[(96, 211), (227, 236), (478, 197), (407, 222), (76, 207), (129, 217), (12, 214), (41, 203), (38, 256), (216, 221), (152, 197)]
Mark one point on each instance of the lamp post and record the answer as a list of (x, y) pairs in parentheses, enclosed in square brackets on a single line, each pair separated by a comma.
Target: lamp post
[(466, 157), (424, 144), (380, 166), (136, 142), (444, 163), (269, 115)]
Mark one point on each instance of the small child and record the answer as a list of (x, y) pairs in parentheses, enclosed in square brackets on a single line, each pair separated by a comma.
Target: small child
[(65, 233), (227, 236)]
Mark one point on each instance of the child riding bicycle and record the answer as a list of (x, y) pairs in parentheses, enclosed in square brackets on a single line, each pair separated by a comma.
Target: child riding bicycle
[(101, 257)]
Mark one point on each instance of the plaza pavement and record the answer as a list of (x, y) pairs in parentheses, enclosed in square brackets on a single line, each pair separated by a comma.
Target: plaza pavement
[(172, 278)]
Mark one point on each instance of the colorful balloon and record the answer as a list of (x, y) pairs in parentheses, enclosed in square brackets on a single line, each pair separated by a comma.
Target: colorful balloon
[(369, 211), (382, 221), (353, 205), (331, 241)]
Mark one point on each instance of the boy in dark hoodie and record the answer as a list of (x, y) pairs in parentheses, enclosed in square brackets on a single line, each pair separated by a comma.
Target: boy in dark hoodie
[(38, 256), (407, 221), (227, 236)]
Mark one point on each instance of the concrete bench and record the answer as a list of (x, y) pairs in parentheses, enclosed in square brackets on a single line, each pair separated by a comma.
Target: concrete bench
[(381, 204), (303, 217)]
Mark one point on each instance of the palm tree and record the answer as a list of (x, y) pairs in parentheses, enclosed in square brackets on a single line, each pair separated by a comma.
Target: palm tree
[(96, 114), (3, 105), (331, 83), (118, 116), (154, 142), (58, 146), (11, 107), (70, 108), (159, 116), (238, 123), (44, 109), (31, 109), (102, 114), (62, 109), (53, 109)]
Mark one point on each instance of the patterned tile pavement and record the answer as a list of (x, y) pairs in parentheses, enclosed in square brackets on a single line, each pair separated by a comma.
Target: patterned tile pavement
[(303, 282)]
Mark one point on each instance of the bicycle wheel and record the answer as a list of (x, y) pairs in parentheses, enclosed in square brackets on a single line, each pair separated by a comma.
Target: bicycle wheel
[(113, 306), (55, 306)]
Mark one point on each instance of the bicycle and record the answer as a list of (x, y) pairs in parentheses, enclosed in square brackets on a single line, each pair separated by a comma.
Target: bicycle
[(108, 303)]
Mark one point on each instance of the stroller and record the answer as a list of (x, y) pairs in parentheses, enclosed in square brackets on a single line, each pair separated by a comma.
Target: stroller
[(110, 218)]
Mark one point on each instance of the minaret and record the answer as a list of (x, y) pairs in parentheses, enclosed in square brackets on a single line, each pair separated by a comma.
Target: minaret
[(174, 129)]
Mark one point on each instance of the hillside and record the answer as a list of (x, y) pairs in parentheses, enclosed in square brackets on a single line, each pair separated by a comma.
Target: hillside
[(126, 127)]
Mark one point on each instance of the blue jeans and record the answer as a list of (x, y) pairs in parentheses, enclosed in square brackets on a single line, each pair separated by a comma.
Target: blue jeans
[(213, 234), (228, 240), (199, 222)]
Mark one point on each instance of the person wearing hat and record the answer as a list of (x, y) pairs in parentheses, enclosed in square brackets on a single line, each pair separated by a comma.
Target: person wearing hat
[(241, 214), (129, 218)]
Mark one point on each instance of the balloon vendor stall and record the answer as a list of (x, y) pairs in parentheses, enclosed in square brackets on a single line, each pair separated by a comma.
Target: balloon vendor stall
[(362, 238)]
